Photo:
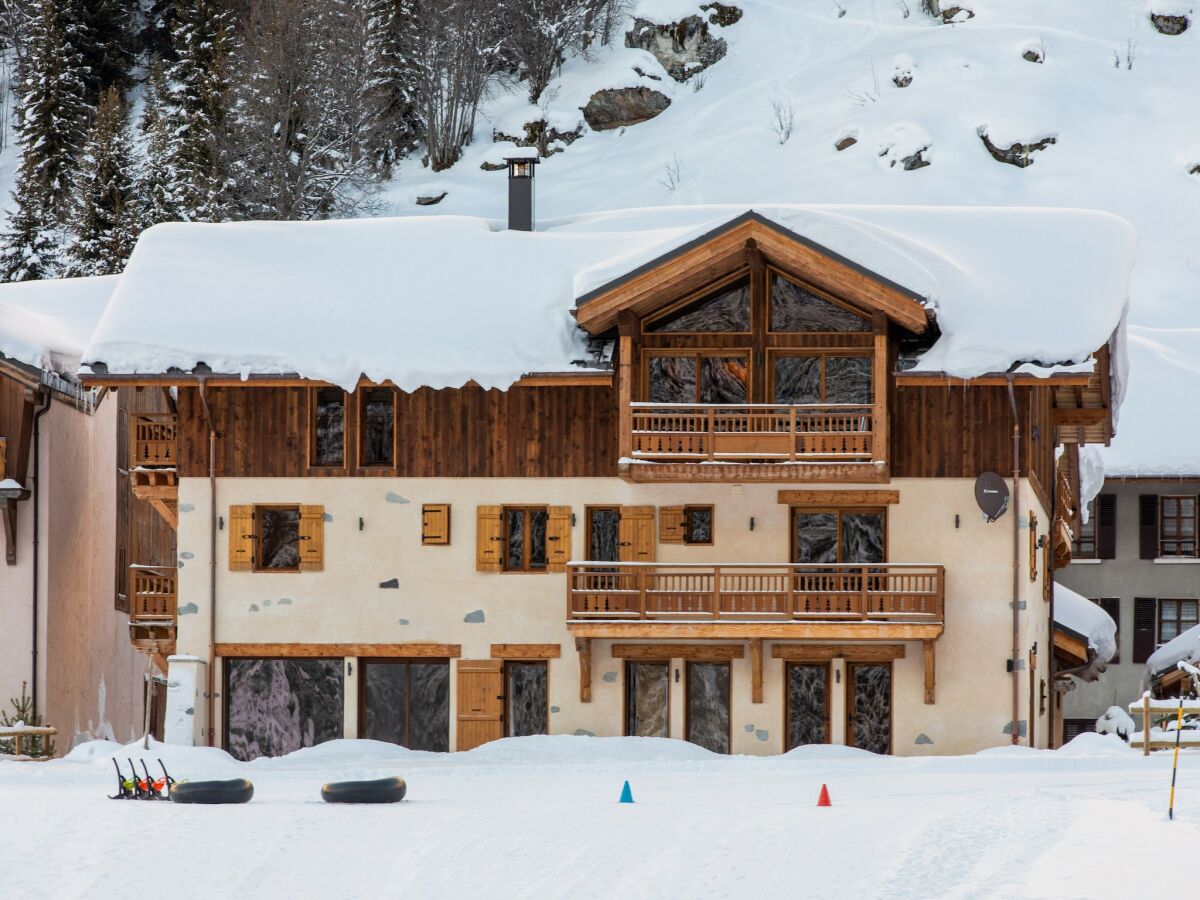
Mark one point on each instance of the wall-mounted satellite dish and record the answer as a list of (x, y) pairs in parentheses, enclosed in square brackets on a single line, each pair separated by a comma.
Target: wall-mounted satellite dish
[(991, 493)]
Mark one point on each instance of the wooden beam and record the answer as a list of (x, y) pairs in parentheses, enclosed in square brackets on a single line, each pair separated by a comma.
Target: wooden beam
[(167, 510), (1072, 646), (839, 498), (1087, 416), (756, 670), (784, 631), (418, 650), (826, 652), (693, 652), (526, 651), (763, 473), (930, 672), (8, 511), (996, 379), (584, 646), (569, 379), (184, 379)]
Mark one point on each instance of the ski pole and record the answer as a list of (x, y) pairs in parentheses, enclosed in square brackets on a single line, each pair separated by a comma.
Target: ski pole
[(1175, 763)]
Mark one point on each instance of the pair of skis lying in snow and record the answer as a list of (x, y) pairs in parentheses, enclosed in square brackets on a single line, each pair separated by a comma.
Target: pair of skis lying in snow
[(138, 788)]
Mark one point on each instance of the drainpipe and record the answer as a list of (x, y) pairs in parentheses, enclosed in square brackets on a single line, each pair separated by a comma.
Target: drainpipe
[(212, 558), (37, 486), (1016, 572)]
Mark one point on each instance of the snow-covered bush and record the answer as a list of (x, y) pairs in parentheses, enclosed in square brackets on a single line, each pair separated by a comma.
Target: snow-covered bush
[(1116, 721)]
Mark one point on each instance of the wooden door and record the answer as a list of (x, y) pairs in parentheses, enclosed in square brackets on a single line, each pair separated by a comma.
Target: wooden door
[(869, 706), (480, 702), (636, 534)]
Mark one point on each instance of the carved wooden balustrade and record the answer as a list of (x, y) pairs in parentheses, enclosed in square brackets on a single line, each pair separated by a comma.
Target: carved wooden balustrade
[(153, 439), (155, 597)]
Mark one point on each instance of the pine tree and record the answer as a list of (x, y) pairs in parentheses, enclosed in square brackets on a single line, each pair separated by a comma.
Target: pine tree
[(25, 714), (101, 32), (197, 114), (155, 183), (391, 124), (106, 228), (51, 120)]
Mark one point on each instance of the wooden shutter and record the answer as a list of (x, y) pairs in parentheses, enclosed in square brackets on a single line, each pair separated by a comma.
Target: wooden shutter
[(1144, 612), (672, 525), (1105, 512), (312, 538), (558, 538), (1148, 525), (1112, 606), (635, 534), (241, 538), (480, 700), (435, 523), (489, 539)]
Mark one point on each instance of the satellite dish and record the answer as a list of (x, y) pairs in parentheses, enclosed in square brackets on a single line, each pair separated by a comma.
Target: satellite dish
[(991, 493)]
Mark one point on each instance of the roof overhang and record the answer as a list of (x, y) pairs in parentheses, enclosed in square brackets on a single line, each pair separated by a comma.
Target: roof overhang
[(687, 266)]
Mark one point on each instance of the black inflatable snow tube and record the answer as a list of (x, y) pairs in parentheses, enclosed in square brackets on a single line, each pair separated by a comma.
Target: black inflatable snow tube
[(380, 790), (236, 790)]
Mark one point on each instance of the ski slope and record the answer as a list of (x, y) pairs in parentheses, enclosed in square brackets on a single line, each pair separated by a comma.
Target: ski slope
[(539, 817), (1118, 97)]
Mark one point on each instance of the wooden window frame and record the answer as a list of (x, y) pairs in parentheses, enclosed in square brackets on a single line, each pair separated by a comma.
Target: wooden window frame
[(508, 663), (687, 664), (312, 432), (1179, 518), (1179, 628), (839, 511), (625, 692), (366, 663), (360, 403), (787, 699), (687, 524), (697, 354), (256, 565), (775, 353), (809, 288), (698, 296), (526, 509)]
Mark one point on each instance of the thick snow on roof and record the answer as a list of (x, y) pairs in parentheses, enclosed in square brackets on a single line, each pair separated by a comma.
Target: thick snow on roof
[(47, 324), (1080, 615), (1184, 647), (438, 301)]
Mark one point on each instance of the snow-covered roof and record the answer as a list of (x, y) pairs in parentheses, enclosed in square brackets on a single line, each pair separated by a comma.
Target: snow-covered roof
[(1080, 615), (1185, 647), (47, 324), (439, 301)]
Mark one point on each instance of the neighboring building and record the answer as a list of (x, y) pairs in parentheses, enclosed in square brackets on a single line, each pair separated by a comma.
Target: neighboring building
[(62, 631), (732, 502), (1137, 558)]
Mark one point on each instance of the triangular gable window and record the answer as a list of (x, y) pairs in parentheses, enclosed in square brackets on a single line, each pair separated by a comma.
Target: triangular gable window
[(795, 309), (727, 310)]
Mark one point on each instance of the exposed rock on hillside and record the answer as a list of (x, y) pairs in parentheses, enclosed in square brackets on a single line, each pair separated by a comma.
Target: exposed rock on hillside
[(721, 13), (1167, 24), (547, 139), (684, 47), (617, 107), (1019, 155)]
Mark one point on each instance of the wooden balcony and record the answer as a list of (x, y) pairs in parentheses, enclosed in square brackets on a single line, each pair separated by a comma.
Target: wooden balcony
[(750, 599), (153, 440), (754, 442), (153, 611)]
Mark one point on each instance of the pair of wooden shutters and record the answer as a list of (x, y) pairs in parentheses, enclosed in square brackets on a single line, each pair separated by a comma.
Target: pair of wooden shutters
[(490, 539), (243, 538)]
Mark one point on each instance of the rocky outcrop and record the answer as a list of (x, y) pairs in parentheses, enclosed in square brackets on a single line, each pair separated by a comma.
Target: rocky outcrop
[(1171, 25), (915, 161), (538, 133), (947, 14), (845, 143), (1033, 55), (618, 107), (684, 47), (1019, 155), (432, 200), (721, 14)]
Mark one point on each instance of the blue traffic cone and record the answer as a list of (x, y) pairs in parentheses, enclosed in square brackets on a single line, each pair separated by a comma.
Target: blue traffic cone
[(626, 794)]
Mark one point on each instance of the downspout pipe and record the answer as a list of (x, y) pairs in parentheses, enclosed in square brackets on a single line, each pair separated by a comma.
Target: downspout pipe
[(37, 490), (212, 561), (1016, 567)]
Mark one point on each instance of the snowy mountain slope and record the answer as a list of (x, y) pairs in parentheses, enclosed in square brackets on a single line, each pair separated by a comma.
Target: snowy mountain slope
[(1118, 97)]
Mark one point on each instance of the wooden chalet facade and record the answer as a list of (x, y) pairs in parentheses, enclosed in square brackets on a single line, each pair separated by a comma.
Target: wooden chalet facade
[(757, 529)]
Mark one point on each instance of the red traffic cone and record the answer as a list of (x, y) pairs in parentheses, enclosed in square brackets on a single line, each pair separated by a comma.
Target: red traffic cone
[(823, 800)]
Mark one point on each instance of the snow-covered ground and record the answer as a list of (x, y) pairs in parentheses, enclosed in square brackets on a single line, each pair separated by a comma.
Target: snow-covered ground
[(539, 817)]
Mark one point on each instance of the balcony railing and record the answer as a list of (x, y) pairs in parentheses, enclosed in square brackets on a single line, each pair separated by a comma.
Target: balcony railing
[(155, 597), (153, 439), (698, 432), (896, 592)]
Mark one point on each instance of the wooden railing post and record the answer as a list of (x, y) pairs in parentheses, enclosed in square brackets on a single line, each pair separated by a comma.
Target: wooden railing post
[(716, 592), (865, 598), (712, 443), (641, 586), (792, 434)]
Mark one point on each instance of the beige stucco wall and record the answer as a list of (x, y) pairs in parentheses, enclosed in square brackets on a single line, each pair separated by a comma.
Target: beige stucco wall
[(439, 587), (90, 677)]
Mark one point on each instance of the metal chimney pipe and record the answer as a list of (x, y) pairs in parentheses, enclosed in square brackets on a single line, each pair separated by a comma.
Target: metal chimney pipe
[(520, 192)]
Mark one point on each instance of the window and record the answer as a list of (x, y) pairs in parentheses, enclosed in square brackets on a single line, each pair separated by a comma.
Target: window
[(1072, 728), (838, 536), (603, 533), (525, 538), (276, 706), (1174, 618), (795, 309), (526, 698), (1084, 545), (328, 426), (821, 379), (727, 309), (406, 702), (277, 537), (1177, 526), (718, 377), (1112, 606), (697, 524), (377, 427)]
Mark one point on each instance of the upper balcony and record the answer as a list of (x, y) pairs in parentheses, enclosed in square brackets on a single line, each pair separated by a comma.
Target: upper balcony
[(153, 450)]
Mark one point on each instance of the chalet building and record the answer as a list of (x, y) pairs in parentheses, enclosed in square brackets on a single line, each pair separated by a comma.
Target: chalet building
[(704, 473), (70, 531), (1136, 557)]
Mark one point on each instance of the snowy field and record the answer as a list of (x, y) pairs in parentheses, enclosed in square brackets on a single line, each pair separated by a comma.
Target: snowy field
[(539, 817)]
